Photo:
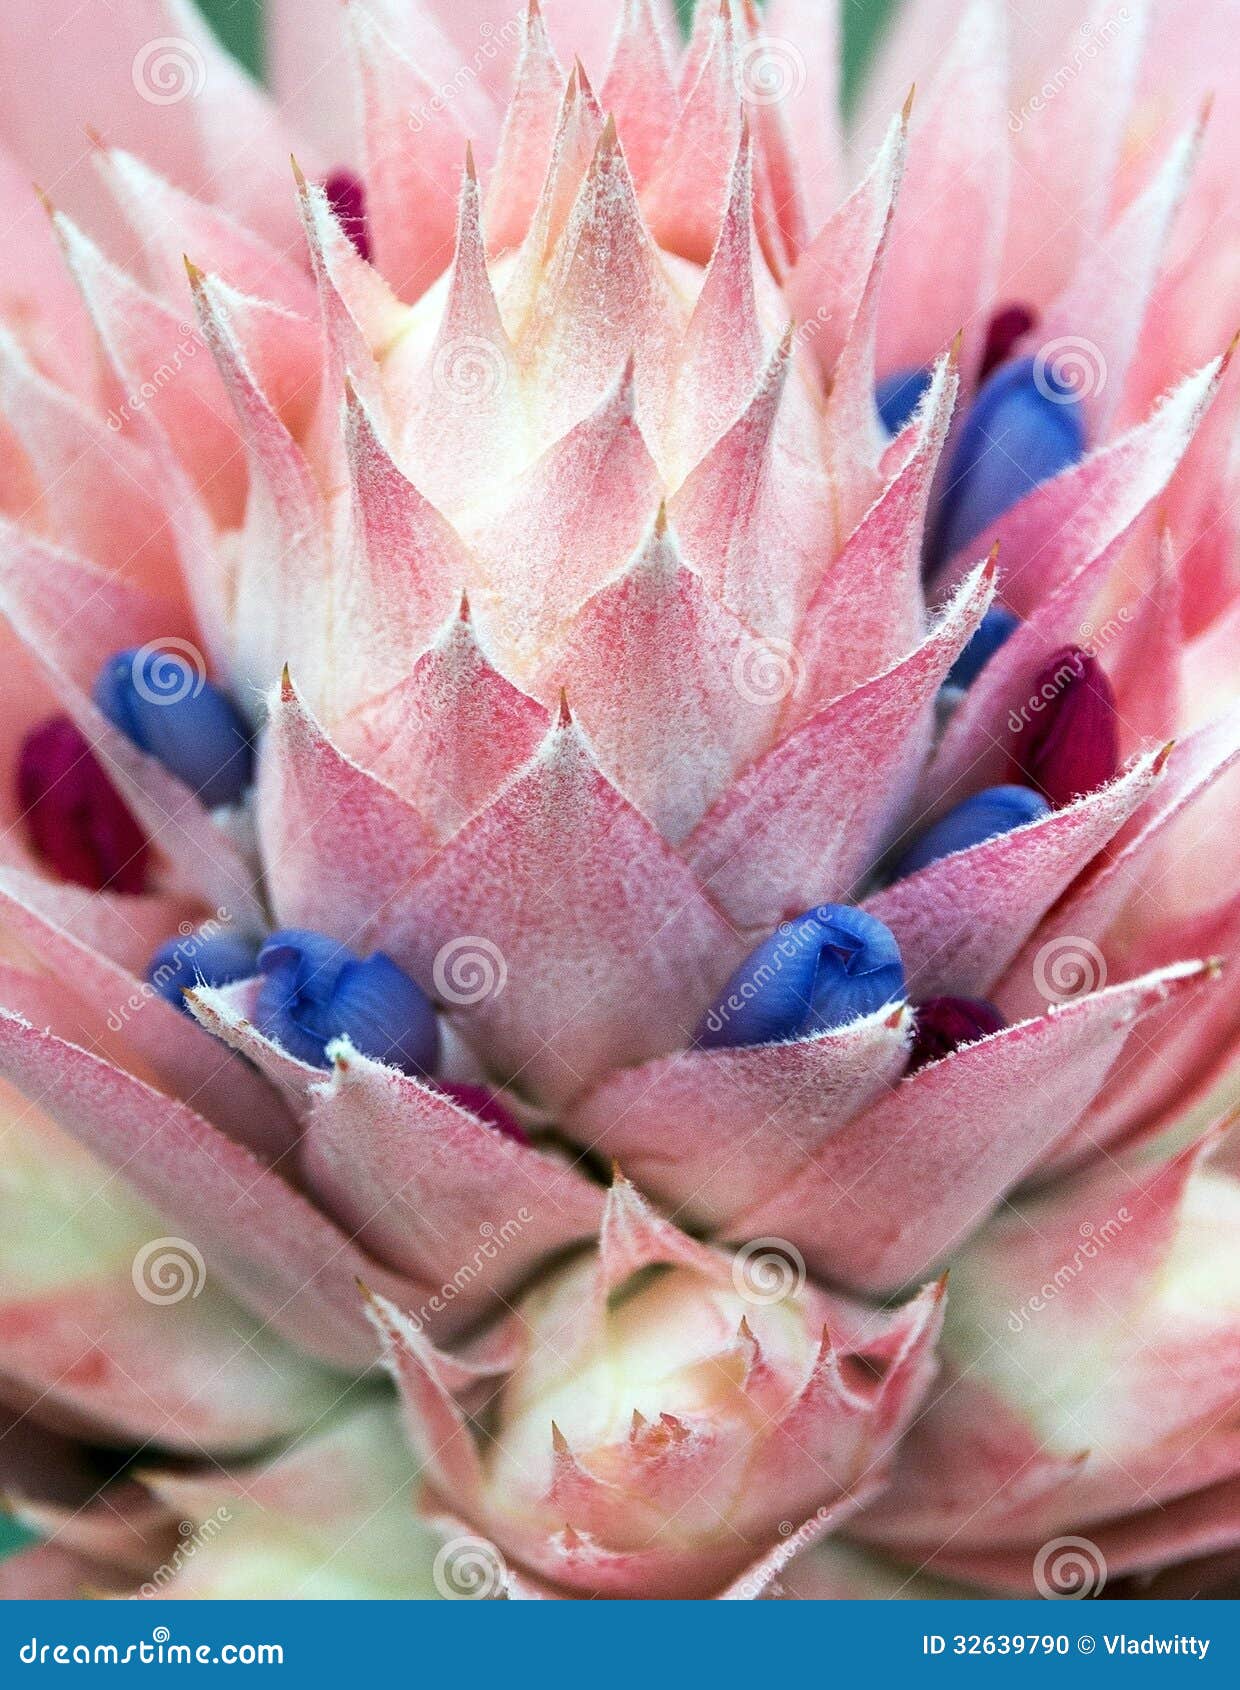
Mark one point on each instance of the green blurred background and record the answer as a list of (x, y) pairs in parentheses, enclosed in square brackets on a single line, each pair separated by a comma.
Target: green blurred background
[(238, 23)]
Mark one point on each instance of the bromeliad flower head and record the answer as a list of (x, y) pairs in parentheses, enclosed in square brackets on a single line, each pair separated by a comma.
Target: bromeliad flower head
[(609, 618)]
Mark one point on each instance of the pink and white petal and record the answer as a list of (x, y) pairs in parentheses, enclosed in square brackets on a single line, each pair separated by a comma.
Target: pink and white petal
[(143, 337), (577, 515), (116, 67), (704, 1130), (830, 280), (307, 59), (942, 261), (1145, 664), (316, 810), (106, 997), (1084, 509), (38, 301), (901, 1184), (756, 516), (1110, 292), (526, 138), (655, 667), (282, 577), (428, 1187), (962, 919), (685, 198), (813, 103), (1055, 216), (786, 836), (874, 584), (639, 86), (726, 348), (168, 223), (91, 491), (414, 146), (605, 299), (266, 1243), (596, 944), (450, 736)]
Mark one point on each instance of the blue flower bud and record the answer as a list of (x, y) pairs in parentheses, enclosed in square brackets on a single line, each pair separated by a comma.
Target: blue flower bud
[(820, 970), (898, 396), (196, 959), (997, 810), (995, 629), (159, 698), (1024, 427), (315, 990)]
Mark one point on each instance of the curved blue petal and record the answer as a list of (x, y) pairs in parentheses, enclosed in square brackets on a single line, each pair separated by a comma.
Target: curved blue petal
[(161, 701), (315, 990), (194, 959), (995, 629), (898, 396), (1023, 428), (997, 810), (820, 970)]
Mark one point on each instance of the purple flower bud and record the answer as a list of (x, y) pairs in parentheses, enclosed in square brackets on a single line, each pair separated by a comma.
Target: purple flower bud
[(1069, 742), (346, 194), (898, 396), (158, 698), (942, 1025), (995, 629), (74, 818), (997, 810), (315, 990), (1024, 427), (197, 959), (820, 970)]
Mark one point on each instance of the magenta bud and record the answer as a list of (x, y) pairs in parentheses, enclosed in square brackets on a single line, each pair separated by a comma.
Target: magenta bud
[(944, 1024), (1007, 328), (73, 815), (346, 194), (483, 1102), (1068, 740)]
